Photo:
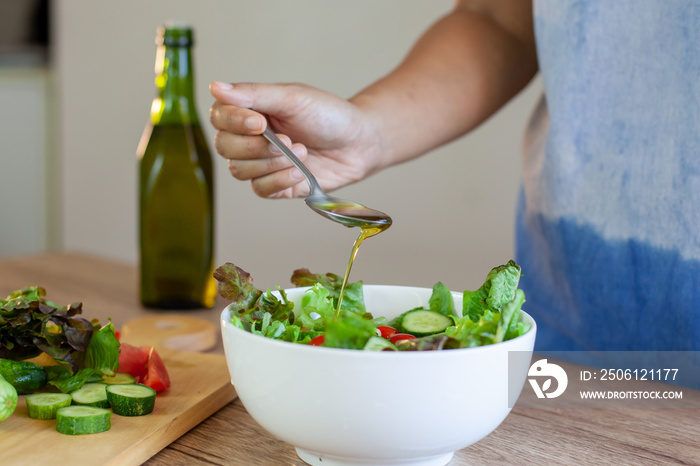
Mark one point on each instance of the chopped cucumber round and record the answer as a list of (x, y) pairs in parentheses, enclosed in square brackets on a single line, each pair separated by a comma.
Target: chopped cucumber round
[(45, 405), (91, 394), (376, 343), (8, 399), (424, 322), (77, 420), (25, 376), (118, 378), (131, 400)]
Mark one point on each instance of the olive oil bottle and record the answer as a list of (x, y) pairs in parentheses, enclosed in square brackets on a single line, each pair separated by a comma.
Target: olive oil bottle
[(176, 199)]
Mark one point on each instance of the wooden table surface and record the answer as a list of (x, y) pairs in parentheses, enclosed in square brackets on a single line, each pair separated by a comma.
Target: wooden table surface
[(231, 437)]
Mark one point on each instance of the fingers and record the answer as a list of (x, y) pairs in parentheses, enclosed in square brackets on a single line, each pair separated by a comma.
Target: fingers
[(265, 98), (264, 163), (236, 120), (252, 157), (241, 147), (286, 183), (244, 147)]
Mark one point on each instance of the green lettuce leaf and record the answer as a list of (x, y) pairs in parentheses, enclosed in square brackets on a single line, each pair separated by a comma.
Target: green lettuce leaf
[(353, 300), (63, 379), (441, 300), (498, 289), (316, 307), (492, 326), (349, 330), (269, 328), (510, 317), (103, 351)]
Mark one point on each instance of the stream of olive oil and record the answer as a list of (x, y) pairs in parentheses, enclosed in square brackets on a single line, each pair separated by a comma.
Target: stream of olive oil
[(366, 231)]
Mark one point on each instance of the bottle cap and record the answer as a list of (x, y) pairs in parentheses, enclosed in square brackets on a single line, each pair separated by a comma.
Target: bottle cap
[(175, 34)]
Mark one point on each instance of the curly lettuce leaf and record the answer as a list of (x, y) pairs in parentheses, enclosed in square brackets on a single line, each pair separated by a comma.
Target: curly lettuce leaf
[(492, 326), (316, 307), (281, 309), (30, 324), (236, 285), (472, 333), (349, 330), (497, 290), (269, 328), (353, 299), (250, 304)]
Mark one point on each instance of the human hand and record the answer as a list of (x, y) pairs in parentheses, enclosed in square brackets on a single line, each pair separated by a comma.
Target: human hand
[(330, 135)]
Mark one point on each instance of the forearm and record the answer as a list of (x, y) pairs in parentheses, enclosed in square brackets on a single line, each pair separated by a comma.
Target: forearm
[(459, 73)]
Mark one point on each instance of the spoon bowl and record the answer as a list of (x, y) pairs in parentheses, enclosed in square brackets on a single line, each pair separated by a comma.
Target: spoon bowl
[(347, 213)]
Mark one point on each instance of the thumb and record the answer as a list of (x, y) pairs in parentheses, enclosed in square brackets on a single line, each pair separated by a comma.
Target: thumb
[(264, 98)]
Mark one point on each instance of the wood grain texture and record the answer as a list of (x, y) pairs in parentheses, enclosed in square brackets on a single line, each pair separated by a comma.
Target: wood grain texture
[(582, 436), (527, 436)]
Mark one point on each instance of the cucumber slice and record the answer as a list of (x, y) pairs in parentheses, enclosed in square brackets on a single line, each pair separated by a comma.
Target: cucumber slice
[(131, 400), (8, 399), (118, 378), (77, 420), (423, 322), (25, 376), (91, 394), (376, 343), (45, 405)]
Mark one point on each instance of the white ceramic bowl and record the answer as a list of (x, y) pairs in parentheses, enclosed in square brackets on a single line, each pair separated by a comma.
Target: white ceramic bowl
[(341, 407)]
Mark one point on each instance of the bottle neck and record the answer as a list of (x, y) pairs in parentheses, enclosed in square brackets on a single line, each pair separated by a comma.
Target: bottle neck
[(174, 103)]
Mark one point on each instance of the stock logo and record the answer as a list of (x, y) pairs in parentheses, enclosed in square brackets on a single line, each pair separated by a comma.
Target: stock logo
[(541, 369)]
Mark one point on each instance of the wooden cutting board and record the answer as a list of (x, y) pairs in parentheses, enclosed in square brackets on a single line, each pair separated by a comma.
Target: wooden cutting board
[(200, 386)]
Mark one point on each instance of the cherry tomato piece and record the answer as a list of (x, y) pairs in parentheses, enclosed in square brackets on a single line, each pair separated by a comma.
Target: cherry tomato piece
[(386, 332), (145, 365), (318, 341), (401, 336), (157, 375), (133, 360)]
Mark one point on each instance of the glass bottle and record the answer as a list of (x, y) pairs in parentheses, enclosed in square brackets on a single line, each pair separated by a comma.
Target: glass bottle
[(176, 198)]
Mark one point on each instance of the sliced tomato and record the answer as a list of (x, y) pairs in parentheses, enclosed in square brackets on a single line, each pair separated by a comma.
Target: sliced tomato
[(386, 332), (156, 374), (401, 336), (133, 360), (318, 341)]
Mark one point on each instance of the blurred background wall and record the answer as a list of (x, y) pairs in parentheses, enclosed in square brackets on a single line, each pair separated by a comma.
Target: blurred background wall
[(70, 125)]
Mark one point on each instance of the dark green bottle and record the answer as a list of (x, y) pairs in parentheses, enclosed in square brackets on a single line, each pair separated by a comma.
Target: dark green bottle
[(176, 197)]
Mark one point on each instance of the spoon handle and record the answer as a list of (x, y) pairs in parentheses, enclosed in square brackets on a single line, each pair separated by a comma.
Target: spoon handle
[(313, 184)]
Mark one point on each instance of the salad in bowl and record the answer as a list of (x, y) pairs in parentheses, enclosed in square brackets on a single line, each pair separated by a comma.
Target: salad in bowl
[(398, 375), (491, 314)]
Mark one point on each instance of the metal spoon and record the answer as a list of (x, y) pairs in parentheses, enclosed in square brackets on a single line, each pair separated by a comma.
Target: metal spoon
[(348, 213)]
